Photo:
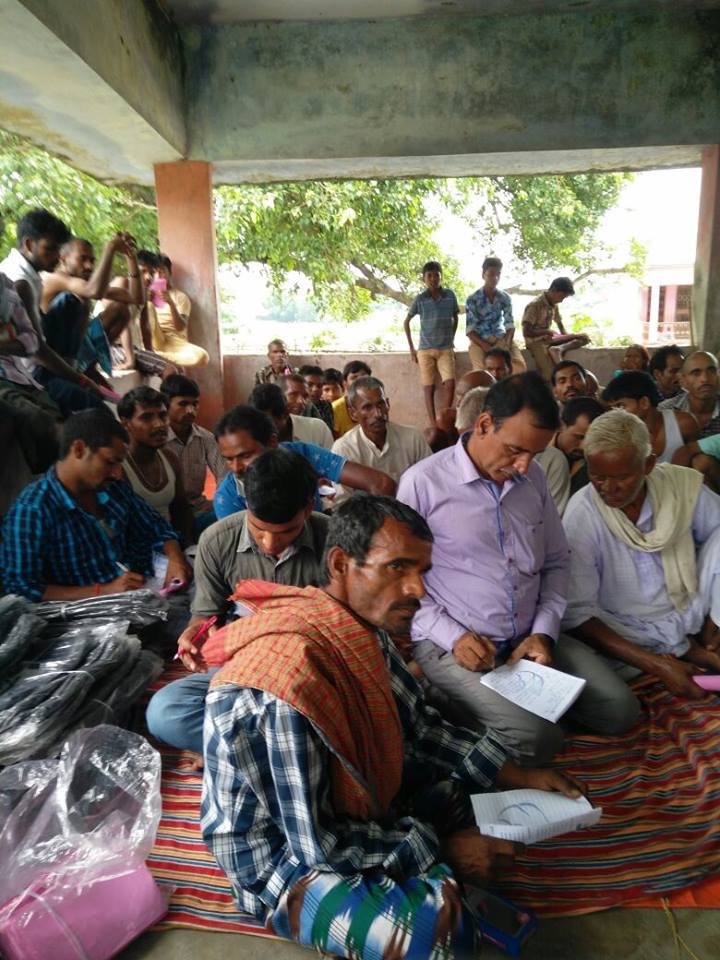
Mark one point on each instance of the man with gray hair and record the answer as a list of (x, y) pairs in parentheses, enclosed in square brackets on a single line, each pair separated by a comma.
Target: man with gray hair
[(376, 441), (645, 543), (470, 408)]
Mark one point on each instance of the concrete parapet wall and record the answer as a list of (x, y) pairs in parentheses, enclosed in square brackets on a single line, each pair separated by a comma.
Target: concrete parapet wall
[(397, 372)]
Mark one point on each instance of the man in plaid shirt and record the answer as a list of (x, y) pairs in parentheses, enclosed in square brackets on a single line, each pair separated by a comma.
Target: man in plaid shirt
[(352, 885), (79, 530)]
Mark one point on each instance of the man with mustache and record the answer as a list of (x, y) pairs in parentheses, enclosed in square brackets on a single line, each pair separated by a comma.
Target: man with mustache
[(497, 589), (334, 799), (645, 544), (665, 366), (376, 441), (152, 470), (569, 380), (699, 394)]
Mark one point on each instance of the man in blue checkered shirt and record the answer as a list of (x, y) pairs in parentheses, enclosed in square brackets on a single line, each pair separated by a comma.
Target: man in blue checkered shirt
[(79, 530), (347, 885), (489, 319)]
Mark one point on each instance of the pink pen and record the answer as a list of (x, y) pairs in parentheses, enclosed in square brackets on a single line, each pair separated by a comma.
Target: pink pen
[(200, 633)]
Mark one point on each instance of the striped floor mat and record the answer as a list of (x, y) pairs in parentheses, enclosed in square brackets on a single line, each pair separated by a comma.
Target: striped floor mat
[(660, 833), (200, 896), (659, 787)]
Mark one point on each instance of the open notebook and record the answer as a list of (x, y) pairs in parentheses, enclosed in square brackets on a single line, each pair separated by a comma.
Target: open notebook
[(527, 816), (541, 690)]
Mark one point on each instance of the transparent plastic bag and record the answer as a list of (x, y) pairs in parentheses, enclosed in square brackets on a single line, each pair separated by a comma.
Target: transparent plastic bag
[(75, 833), (139, 607)]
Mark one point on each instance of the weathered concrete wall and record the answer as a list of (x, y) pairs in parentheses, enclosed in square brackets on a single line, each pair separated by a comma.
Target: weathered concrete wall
[(99, 83), (423, 88), (397, 372)]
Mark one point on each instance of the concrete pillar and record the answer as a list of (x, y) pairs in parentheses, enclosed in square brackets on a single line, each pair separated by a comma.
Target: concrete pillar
[(669, 311), (654, 313), (706, 289), (187, 236)]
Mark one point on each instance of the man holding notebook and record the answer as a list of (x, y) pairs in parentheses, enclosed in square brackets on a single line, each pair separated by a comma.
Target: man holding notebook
[(496, 592)]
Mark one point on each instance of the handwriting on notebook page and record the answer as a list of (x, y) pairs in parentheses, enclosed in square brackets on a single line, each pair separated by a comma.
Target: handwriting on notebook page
[(544, 691), (527, 816)]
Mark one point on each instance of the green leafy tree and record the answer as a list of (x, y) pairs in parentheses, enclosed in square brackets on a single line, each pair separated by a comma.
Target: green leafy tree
[(354, 240), (31, 177), (358, 241)]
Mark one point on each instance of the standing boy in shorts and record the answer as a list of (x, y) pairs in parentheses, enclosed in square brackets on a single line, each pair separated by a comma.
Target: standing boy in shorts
[(437, 307)]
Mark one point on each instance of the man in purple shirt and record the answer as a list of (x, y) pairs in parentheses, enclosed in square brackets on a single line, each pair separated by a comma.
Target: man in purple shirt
[(497, 588)]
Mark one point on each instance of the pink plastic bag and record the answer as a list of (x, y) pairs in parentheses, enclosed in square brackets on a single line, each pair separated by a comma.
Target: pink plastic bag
[(91, 922), (74, 836)]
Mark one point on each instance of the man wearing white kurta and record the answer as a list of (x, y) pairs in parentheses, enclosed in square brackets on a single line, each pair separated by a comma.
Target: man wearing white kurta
[(645, 543), (375, 441)]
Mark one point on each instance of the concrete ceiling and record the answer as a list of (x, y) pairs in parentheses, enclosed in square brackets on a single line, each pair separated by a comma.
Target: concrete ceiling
[(237, 11)]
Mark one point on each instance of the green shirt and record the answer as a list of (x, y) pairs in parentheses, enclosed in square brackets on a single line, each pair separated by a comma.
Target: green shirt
[(227, 553)]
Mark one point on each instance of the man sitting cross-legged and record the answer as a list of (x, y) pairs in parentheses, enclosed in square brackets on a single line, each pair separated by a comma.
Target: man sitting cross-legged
[(547, 347), (376, 441), (640, 584), (334, 799), (277, 538), (497, 589), (244, 433), (79, 530)]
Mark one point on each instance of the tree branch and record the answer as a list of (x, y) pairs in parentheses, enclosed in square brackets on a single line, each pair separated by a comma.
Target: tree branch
[(377, 286), (595, 272)]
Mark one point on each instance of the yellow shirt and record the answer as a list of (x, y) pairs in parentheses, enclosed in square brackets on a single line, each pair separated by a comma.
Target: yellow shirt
[(342, 421), (161, 322)]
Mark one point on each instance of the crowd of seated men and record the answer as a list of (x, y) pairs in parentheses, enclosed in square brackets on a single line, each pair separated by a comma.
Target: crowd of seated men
[(352, 579)]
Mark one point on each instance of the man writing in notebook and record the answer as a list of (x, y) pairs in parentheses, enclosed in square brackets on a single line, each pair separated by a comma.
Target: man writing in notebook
[(497, 589)]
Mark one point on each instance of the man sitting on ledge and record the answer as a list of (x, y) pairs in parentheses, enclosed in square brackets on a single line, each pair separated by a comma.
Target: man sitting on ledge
[(640, 584), (334, 799)]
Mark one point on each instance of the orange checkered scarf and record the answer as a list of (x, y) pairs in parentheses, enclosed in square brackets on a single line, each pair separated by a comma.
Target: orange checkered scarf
[(308, 650)]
